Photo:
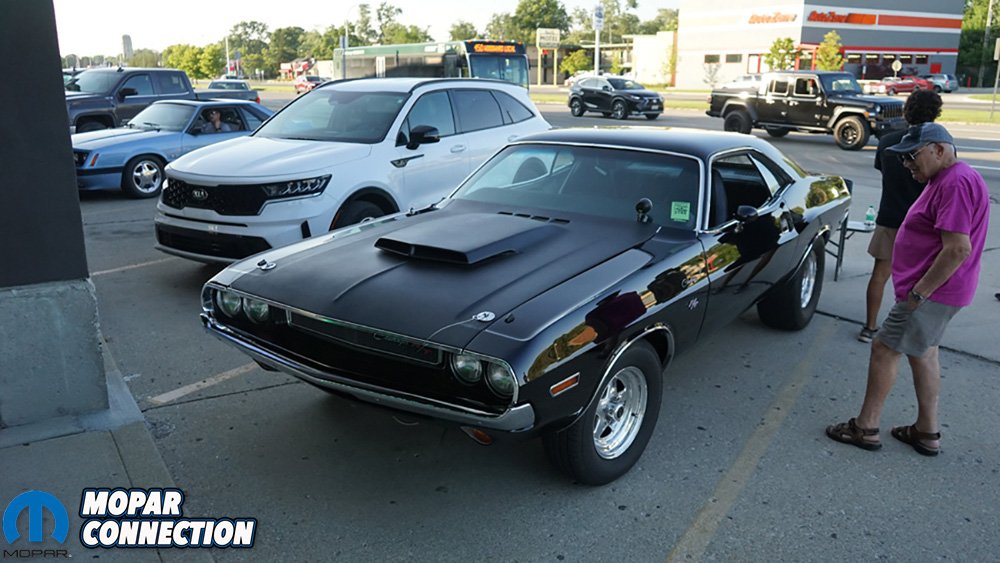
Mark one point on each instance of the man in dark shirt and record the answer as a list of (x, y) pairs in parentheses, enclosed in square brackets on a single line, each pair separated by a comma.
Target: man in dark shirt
[(899, 191)]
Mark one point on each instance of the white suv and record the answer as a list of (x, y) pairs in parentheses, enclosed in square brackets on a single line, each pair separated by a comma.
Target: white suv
[(343, 153)]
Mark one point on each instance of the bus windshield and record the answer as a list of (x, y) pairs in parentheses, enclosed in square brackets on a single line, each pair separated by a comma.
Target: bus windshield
[(500, 67)]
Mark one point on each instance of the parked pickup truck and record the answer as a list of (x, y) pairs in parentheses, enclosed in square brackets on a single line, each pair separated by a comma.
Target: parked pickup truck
[(103, 98), (808, 101), (231, 89)]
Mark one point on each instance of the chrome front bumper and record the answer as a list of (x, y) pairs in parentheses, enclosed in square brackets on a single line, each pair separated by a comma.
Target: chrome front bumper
[(516, 419)]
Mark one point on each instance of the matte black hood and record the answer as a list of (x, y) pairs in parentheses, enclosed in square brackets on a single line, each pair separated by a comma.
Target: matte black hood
[(427, 276)]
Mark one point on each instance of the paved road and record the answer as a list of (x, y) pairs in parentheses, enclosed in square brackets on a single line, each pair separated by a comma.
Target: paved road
[(737, 469)]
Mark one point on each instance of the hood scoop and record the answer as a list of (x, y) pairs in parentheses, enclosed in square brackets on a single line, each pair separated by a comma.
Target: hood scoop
[(468, 238)]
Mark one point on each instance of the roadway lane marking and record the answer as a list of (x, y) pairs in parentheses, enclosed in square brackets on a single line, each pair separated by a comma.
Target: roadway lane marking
[(171, 396), (132, 267), (691, 546), (985, 167)]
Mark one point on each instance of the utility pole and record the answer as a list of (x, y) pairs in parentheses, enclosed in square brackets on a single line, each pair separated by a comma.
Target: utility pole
[(986, 41)]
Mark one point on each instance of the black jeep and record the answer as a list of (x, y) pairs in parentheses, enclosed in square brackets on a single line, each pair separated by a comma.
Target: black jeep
[(808, 101)]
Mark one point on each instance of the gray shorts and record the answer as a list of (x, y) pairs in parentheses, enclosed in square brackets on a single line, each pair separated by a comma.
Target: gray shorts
[(915, 331), (880, 245)]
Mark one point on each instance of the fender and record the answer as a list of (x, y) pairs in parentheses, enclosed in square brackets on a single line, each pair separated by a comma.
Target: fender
[(841, 112), (731, 105)]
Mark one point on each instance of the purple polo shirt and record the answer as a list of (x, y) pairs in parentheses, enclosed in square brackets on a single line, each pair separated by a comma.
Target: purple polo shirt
[(955, 200)]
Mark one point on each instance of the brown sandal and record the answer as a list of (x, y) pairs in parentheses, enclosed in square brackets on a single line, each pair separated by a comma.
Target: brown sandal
[(850, 433), (910, 435)]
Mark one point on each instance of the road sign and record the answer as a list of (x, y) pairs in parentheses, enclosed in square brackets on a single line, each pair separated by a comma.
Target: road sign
[(996, 50), (548, 38), (598, 17), (897, 66)]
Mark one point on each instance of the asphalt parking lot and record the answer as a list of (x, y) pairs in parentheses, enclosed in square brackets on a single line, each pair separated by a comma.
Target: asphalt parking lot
[(738, 468)]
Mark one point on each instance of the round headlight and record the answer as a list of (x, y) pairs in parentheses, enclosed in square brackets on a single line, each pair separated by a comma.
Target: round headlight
[(229, 303), (500, 380), (257, 310), (468, 369)]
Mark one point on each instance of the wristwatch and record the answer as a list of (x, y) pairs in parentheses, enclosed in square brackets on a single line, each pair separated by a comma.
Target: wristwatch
[(917, 297)]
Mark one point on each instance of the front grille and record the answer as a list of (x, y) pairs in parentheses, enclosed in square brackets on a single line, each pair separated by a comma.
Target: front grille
[(204, 243), (224, 200), (891, 111), (337, 352)]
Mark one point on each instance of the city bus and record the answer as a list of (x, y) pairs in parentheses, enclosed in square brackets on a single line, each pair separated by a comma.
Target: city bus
[(500, 60)]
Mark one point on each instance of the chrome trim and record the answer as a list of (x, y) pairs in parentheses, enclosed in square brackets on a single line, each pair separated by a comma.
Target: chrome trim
[(822, 230), (515, 419)]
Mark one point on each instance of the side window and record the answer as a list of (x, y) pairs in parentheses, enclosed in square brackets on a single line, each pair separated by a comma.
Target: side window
[(778, 87), (513, 111), (142, 84), (742, 183), (806, 87), (434, 110), (170, 83), (587, 83), (476, 110), (251, 119), (773, 177), (233, 118)]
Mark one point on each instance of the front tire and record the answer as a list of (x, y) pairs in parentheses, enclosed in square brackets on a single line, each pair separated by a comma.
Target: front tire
[(610, 436), (142, 177), (851, 133), (777, 132), (576, 108), (737, 121), (356, 212), (89, 126), (791, 305), (619, 110)]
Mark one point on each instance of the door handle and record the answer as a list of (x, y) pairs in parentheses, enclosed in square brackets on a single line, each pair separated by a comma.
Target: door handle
[(458, 148)]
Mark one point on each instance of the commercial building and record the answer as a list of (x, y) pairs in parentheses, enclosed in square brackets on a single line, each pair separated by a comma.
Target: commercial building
[(719, 40)]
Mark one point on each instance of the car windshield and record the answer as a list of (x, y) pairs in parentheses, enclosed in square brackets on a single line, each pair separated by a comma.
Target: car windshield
[(166, 117), (328, 114), (625, 84), (843, 83), (596, 181), (93, 82), (227, 85)]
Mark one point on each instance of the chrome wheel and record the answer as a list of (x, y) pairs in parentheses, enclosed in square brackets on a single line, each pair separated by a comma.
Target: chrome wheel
[(147, 177), (620, 411), (808, 280), (618, 110)]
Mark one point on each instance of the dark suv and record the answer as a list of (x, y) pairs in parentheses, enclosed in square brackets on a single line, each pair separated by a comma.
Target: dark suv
[(613, 96)]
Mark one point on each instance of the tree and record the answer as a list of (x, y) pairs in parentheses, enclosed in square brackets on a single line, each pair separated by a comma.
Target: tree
[(577, 61), (971, 54), (501, 28), (249, 38), (144, 58), (363, 27), (397, 33), (462, 31), (211, 61), (283, 48), (783, 54), (665, 20), (617, 22), (533, 14), (828, 55), (385, 20), (183, 57)]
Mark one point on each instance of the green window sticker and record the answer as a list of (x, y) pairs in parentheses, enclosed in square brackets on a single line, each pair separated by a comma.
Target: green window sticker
[(680, 211)]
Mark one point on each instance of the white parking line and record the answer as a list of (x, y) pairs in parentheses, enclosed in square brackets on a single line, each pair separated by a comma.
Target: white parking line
[(132, 267), (171, 396), (691, 546), (985, 167)]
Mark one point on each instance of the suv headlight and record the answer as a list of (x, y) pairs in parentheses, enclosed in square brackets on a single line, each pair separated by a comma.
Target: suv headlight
[(295, 188)]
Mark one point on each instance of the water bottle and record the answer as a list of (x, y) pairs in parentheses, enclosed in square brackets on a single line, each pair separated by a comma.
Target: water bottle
[(870, 217)]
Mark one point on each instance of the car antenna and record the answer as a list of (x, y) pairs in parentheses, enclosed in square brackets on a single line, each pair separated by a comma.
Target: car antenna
[(642, 209)]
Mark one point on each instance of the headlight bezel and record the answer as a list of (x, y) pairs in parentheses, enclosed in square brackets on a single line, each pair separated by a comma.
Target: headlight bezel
[(237, 306), (295, 188), (476, 377)]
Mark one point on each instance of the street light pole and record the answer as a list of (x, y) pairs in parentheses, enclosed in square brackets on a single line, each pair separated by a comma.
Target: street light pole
[(346, 42)]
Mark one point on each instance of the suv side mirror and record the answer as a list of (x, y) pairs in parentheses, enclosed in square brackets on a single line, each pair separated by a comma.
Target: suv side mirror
[(606, 88), (421, 135), (124, 92)]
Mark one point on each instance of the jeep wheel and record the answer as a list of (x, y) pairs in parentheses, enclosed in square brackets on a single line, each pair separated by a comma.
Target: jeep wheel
[(576, 107), (142, 177), (737, 121), (851, 133), (776, 131), (791, 305), (356, 212), (619, 110), (88, 126), (608, 438)]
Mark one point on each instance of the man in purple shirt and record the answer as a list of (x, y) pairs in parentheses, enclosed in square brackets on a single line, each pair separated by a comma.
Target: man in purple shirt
[(935, 271)]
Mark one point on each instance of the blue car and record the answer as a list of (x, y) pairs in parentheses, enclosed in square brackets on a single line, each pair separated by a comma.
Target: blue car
[(132, 157)]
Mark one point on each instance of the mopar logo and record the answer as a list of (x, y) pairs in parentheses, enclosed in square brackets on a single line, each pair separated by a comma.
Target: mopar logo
[(35, 502), (199, 194)]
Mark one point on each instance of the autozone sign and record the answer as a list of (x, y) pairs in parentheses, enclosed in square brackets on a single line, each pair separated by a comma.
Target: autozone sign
[(834, 17)]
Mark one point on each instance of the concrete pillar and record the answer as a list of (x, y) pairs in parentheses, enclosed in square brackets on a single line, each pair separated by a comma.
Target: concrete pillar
[(50, 359)]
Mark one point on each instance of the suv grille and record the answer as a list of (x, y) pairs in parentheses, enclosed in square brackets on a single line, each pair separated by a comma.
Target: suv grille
[(891, 111), (224, 200), (234, 247)]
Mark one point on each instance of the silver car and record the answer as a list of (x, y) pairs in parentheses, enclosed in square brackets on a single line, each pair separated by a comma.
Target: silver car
[(942, 82)]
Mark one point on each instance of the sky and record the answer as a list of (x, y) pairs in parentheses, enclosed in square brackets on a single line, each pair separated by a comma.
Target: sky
[(95, 27)]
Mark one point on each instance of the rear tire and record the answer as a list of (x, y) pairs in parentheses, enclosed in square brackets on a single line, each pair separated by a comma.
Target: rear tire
[(851, 133), (937, 88), (652, 116), (610, 436), (142, 177), (776, 132), (791, 305), (737, 121), (576, 107)]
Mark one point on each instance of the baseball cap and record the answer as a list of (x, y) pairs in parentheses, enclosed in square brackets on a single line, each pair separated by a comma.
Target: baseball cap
[(920, 135)]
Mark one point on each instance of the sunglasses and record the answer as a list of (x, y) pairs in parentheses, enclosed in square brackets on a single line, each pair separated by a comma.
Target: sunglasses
[(912, 155)]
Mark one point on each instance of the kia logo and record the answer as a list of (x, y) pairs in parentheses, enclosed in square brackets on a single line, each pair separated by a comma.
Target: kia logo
[(199, 194)]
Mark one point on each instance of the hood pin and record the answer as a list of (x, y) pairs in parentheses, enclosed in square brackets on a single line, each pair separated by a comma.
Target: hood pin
[(485, 316)]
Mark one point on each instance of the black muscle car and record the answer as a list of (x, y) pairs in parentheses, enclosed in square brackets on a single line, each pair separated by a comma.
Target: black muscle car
[(548, 293)]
